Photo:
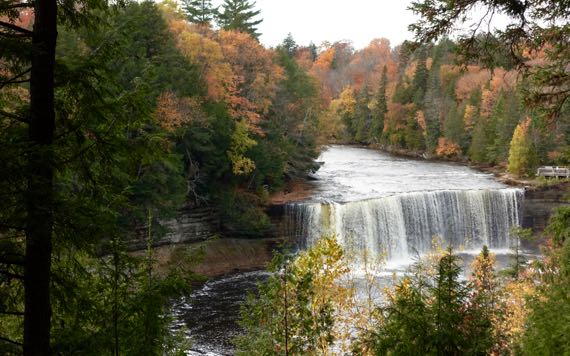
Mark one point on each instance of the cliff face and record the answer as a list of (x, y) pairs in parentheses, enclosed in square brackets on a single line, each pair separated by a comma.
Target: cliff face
[(215, 257), (191, 225), (195, 225), (540, 202)]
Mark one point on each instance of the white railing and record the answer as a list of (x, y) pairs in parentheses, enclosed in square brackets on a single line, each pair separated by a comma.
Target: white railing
[(549, 171)]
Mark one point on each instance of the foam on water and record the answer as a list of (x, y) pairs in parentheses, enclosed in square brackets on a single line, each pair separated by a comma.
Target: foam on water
[(392, 207)]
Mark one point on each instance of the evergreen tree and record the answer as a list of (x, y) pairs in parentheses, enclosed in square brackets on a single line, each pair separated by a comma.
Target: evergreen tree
[(239, 15), (433, 108), (453, 126), (517, 260), (428, 314), (548, 329), (498, 114), (381, 108), (483, 132), (420, 81), (478, 147), (363, 116), (484, 301), (109, 169), (407, 323), (199, 11), (28, 59), (313, 51), (289, 45), (293, 121), (413, 135), (449, 337), (507, 117)]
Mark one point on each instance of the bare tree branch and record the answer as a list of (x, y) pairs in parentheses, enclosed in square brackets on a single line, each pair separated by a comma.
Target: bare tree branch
[(11, 313), (13, 35), (16, 6), (16, 28), (16, 79), (12, 275), (10, 341), (14, 116)]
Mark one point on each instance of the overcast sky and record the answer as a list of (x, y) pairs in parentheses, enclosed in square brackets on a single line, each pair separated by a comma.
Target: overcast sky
[(333, 20)]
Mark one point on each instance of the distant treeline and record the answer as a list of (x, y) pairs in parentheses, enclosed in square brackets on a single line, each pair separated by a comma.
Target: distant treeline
[(417, 98)]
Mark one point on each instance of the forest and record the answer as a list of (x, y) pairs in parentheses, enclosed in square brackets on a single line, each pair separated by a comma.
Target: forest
[(420, 101), (116, 115)]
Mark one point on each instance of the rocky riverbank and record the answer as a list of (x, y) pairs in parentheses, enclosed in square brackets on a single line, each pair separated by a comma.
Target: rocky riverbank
[(190, 238), (216, 257)]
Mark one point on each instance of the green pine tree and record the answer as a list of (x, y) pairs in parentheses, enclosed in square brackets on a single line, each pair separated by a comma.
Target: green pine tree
[(420, 81), (239, 15), (381, 108), (433, 108), (548, 329), (289, 45), (313, 51), (506, 118), (450, 296), (363, 115), (404, 91), (453, 126), (199, 11), (483, 302), (427, 314)]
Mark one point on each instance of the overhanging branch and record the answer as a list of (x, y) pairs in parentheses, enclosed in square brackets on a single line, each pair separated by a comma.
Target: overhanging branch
[(13, 313), (16, 28), (14, 116), (11, 341), (12, 275), (16, 79), (16, 6)]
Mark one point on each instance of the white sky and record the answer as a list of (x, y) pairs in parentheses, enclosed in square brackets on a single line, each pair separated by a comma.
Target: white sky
[(333, 20)]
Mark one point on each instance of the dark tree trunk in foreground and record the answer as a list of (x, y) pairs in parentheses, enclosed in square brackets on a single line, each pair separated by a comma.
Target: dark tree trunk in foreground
[(40, 193)]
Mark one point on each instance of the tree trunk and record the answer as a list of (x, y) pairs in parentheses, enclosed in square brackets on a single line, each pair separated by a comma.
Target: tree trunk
[(40, 191)]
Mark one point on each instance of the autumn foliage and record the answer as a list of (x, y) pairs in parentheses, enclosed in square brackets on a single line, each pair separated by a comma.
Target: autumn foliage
[(447, 148), (173, 113), (433, 105), (520, 153)]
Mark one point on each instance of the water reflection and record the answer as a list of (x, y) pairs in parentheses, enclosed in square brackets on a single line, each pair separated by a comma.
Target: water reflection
[(210, 313)]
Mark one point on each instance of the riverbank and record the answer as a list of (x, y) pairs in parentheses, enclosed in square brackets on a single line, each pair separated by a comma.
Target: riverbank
[(499, 171), (216, 257), (295, 190)]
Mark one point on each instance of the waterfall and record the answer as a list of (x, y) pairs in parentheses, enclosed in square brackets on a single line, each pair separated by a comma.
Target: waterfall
[(400, 226)]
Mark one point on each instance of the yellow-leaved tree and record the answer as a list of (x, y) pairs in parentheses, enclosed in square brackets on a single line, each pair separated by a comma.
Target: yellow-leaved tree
[(521, 157)]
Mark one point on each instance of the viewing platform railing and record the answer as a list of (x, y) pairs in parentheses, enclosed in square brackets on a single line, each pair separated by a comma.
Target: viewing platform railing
[(557, 172)]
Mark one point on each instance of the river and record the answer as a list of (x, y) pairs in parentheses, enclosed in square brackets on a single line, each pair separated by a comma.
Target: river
[(374, 203)]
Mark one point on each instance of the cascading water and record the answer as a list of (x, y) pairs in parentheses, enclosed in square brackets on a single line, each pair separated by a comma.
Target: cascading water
[(377, 205), (393, 207), (403, 225)]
